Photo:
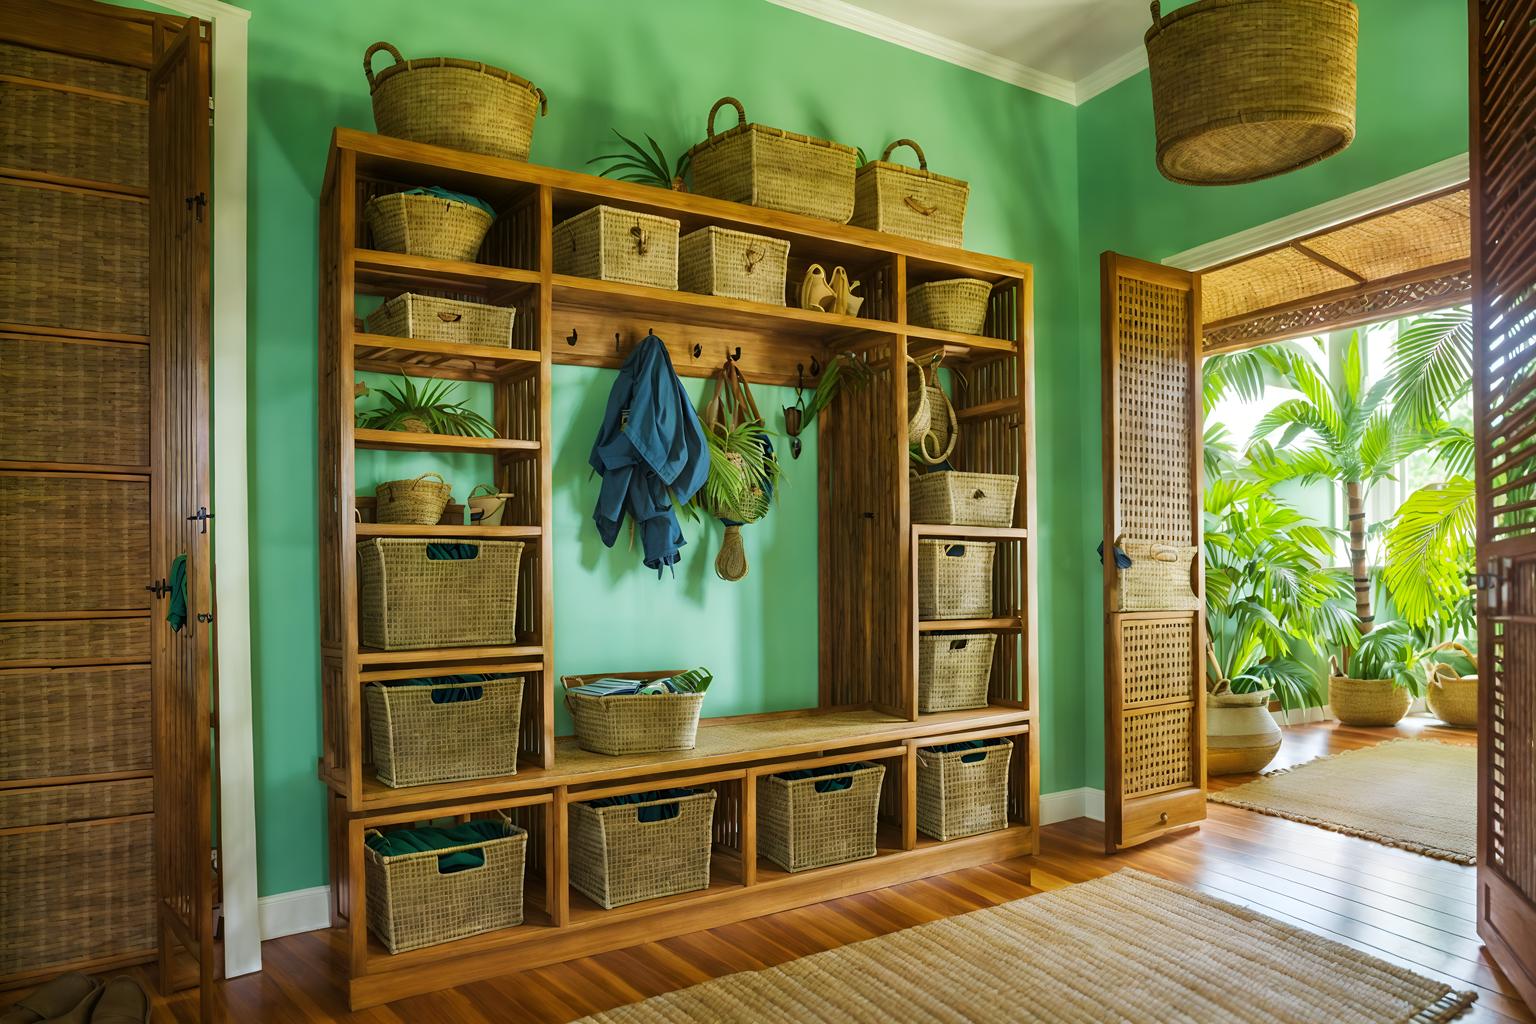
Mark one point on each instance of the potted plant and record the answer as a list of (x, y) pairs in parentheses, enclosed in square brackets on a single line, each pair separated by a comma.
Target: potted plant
[(645, 167), (1380, 677), (431, 409)]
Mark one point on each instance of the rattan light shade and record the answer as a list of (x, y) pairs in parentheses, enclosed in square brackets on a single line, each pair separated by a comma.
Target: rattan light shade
[(1248, 89)]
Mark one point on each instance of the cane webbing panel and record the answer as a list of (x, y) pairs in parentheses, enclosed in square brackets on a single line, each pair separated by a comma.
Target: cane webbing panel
[(1156, 752), (1155, 659), (1153, 435)]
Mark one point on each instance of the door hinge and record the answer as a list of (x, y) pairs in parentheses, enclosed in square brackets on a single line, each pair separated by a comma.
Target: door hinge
[(205, 616), (1482, 580), (159, 588), (198, 203), (202, 515)]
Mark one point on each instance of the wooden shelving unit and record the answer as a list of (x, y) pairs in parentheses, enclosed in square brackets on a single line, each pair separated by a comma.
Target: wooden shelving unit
[(869, 630)]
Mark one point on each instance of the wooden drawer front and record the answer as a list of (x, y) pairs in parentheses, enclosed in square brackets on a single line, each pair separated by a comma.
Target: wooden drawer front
[(74, 641), (1153, 814), (75, 135), (74, 260), (76, 721), (73, 543), (78, 402), (81, 72), (82, 801)]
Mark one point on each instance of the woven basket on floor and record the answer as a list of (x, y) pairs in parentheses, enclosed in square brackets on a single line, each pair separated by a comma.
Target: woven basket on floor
[(1367, 701), (958, 304), (615, 858), (963, 792), (953, 670), (1160, 576), (950, 497), (640, 723), (919, 409), (610, 244), (774, 169), (411, 904), (411, 601), (461, 104), (418, 502), (733, 264), (418, 738), (1247, 89), (954, 579), (1452, 697), (799, 828), (432, 226), (429, 318), (912, 202)]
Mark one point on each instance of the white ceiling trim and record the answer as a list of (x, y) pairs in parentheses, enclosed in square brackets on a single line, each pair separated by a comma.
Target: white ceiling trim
[(1111, 74)]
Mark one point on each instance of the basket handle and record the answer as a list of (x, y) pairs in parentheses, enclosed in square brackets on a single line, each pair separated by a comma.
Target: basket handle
[(1157, 14), (638, 233), (368, 58), (741, 112), (425, 475), (922, 160), (752, 258), (919, 207), (449, 318), (934, 458), (543, 101), (490, 491)]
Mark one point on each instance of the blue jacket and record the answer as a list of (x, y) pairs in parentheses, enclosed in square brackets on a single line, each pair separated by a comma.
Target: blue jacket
[(651, 442)]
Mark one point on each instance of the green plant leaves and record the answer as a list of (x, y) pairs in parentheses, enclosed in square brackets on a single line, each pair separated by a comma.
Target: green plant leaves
[(1430, 550), (639, 164), (433, 406), (1431, 365)]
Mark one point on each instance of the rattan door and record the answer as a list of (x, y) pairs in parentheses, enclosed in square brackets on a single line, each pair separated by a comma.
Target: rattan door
[(1154, 701), (1504, 287)]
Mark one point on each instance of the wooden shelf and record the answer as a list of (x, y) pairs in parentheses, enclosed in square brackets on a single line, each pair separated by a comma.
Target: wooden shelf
[(970, 625), (379, 353), (970, 532), (405, 441), (389, 273), (372, 656), (973, 343), (366, 530)]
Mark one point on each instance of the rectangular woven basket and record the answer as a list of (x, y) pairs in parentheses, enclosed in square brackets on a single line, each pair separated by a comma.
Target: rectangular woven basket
[(418, 738), (412, 904), (913, 202), (950, 497), (1160, 576), (799, 828), (953, 670), (409, 600), (774, 169), (617, 859), (443, 229), (641, 723), (430, 318), (954, 579), (734, 264), (610, 244), (963, 792), (959, 304)]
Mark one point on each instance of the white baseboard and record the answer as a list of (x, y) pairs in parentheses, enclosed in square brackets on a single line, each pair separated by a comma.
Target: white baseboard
[(1085, 802), (288, 913)]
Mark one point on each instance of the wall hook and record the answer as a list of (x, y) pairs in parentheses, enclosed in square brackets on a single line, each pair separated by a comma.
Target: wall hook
[(698, 350), (572, 339), (618, 346), (736, 356), (815, 367)]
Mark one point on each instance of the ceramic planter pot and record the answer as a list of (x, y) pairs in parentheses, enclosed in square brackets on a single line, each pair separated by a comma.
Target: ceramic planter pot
[(1367, 701), (1240, 734)]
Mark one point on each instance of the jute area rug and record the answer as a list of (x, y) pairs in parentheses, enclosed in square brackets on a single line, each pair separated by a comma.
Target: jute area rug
[(1415, 794), (1128, 947)]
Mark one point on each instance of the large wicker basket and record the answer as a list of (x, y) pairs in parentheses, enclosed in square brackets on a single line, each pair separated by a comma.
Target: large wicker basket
[(412, 904), (953, 670), (461, 104), (733, 264), (411, 600), (1452, 697), (963, 792), (949, 497), (418, 502), (799, 827), (426, 225), (640, 723), (430, 318), (910, 201), (610, 244), (774, 169), (423, 734), (617, 858), (1367, 701), (958, 304), (1247, 89), (954, 579), (1160, 577)]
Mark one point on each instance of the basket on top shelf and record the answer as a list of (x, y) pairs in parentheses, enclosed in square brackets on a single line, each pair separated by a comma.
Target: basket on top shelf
[(953, 670), (913, 202), (418, 502), (734, 264), (948, 497), (610, 244), (958, 304), (773, 168), (814, 817), (954, 579), (431, 222), (461, 104), (444, 729), (637, 712), (641, 846), (437, 592), (1160, 577), (962, 788), (431, 318)]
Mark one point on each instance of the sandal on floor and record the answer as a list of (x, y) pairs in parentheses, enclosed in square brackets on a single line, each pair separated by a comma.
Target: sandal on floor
[(48, 1001), (122, 1002)]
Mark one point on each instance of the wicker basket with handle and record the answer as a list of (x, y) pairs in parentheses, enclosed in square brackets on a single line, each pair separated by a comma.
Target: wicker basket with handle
[(963, 792), (1160, 577), (640, 723), (460, 104), (718, 261), (420, 735), (773, 168), (954, 579), (953, 670), (950, 497), (618, 857), (431, 318), (411, 600), (426, 225), (1452, 697), (418, 502), (611, 244), (958, 304), (913, 202), (800, 827), (919, 408), (1367, 701)]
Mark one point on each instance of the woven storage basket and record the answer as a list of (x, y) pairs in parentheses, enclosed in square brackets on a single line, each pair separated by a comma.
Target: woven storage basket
[(912, 202), (953, 670), (1160, 576), (640, 723), (410, 601), (1367, 701), (442, 229), (610, 244), (950, 497), (1452, 697), (416, 740), (963, 792), (954, 579), (418, 502), (1247, 89), (411, 904), (799, 828), (461, 104), (617, 859), (734, 264), (959, 304), (774, 169), (429, 318)]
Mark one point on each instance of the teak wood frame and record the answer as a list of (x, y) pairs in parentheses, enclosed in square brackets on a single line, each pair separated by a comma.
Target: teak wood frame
[(869, 630)]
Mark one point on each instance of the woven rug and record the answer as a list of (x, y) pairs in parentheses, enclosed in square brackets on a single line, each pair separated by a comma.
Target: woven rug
[(1129, 947), (1419, 795)]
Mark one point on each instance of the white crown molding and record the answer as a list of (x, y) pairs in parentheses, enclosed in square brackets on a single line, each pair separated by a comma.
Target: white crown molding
[(1450, 171), (1111, 74)]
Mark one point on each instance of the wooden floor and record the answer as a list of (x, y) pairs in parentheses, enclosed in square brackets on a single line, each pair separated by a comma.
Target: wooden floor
[(1400, 906)]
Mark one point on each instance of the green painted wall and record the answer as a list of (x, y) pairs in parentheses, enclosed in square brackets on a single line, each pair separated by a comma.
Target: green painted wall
[(653, 67)]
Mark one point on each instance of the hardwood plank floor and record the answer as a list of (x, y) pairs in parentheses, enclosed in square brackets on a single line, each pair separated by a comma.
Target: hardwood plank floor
[(1394, 904)]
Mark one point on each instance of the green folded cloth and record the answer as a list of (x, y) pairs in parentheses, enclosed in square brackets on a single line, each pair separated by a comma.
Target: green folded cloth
[(452, 552), (825, 785), (449, 689), (430, 837), (176, 614), (652, 812), (949, 748)]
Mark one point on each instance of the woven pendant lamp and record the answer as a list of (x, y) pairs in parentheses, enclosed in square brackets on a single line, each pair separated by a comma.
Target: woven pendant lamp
[(1248, 89)]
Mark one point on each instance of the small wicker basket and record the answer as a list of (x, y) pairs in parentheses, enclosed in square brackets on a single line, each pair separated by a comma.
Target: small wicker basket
[(800, 828), (419, 738), (610, 244), (410, 600), (616, 858), (734, 264), (430, 318), (773, 168), (461, 104), (640, 723), (418, 502), (1161, 576), (950, 497), (958, 304), (963, 792), (1367, 701), (912, 202), (431, 226), (953, 670), (1452, 697), (954, 579)]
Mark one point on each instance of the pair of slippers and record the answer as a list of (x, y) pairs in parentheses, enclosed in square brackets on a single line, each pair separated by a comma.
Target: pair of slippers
[(78, 999)]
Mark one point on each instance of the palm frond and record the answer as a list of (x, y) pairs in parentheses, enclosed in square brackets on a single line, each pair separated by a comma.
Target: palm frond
[(1430, 548), (1431, 365)]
